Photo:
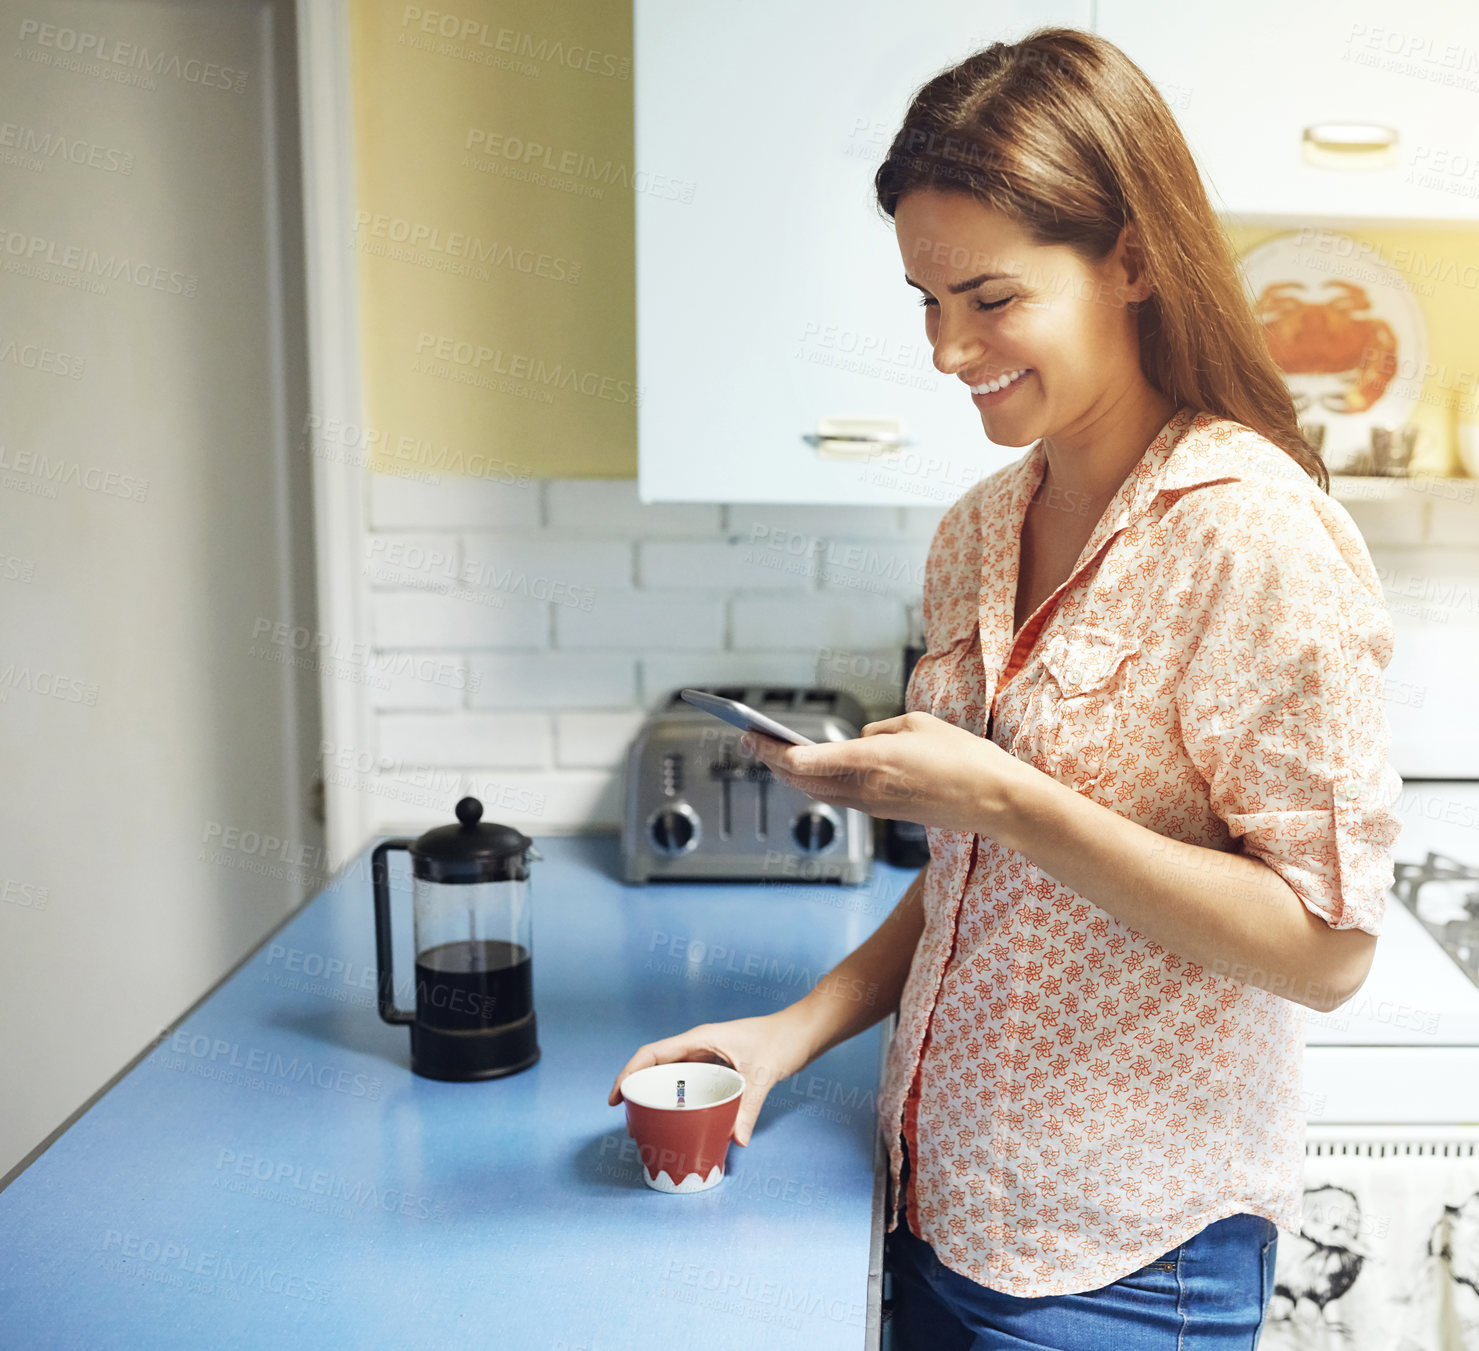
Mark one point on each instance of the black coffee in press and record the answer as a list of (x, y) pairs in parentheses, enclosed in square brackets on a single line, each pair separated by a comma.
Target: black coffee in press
[(473, 984)]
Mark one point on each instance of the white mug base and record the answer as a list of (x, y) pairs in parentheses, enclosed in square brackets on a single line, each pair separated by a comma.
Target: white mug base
[(692, 1183)]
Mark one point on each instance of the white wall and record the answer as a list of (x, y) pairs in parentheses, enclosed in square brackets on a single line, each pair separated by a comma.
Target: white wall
[(1426, 551), (152, 521)]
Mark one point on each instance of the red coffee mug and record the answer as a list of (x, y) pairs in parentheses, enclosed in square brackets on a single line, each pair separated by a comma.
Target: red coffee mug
[(681, 1115)]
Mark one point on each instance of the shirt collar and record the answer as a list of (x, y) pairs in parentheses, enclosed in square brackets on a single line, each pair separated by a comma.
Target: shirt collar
[(1193, 447)]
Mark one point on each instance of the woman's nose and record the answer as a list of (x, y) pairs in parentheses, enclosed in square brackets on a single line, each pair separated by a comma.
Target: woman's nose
[(955, 347), (954, 357)]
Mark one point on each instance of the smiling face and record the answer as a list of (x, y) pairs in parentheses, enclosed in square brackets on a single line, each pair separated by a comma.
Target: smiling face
[(1041, 309)]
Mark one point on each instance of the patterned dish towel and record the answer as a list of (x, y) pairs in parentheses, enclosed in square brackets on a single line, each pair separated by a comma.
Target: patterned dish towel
[(1387, 1258)]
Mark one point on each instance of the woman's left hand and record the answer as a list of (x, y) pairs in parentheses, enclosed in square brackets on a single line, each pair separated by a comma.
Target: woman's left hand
[(915, 767)]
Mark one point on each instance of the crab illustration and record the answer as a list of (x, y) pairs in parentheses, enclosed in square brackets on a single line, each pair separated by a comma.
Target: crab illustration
[(1334, 337)]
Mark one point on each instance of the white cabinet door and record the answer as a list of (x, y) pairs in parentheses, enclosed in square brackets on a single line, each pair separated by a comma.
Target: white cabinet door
[(770, 291), (1246, 80)]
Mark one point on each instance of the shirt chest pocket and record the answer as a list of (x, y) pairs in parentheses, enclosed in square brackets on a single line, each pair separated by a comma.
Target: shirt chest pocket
[(948, 683), (1077, 712)]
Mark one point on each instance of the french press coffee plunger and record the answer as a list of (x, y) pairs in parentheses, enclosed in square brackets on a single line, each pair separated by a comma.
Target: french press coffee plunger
[(474, 1015)]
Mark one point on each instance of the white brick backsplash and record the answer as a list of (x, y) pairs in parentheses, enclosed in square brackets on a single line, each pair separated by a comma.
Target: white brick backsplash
[(662, 675), (922, 522), (596, 740), (418, 680), (546, 567), (417, 619), (719, 567), (1434, 586), (537, 802), (1432, 671), (808, 623), (759, 522), (1398, 521), (583, 508), (455, 501), (873, 567), (421, 559), (1454, 523), (555, 680), (531, 703), (414, 799), (550, 801), (458, 740), (872, 678), (408, 803), (641, 622)]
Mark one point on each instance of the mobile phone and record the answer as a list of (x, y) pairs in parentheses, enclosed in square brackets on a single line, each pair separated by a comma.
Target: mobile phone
[(743, 716)]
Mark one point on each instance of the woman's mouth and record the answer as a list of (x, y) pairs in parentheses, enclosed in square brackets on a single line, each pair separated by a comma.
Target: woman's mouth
[(996, 391)]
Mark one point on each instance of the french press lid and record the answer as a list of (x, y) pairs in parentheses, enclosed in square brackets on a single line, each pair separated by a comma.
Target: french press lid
[(472, 851)]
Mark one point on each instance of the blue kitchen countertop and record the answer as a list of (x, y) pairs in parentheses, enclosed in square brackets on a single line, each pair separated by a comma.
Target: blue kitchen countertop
[(271, 1174)]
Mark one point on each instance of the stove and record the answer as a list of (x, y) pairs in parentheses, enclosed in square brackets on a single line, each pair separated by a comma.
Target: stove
[(1383, 1260), (1444, 895), (1400, 1059)]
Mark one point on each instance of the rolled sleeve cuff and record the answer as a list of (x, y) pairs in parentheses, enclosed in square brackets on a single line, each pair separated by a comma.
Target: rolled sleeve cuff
[(1337, 860)]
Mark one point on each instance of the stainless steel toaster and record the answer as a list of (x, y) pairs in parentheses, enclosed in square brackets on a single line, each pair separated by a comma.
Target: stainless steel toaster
[(697, 807)]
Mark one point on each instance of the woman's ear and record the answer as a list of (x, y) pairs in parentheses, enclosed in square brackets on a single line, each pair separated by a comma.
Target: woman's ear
[(1130, 258)]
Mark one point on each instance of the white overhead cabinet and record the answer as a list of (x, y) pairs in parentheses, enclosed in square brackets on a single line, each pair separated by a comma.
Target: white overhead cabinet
[(774, 326), (771, 305), (1314, 112)]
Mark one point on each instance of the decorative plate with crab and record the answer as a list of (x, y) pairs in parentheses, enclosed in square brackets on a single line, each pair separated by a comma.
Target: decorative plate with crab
[(1346, 330)]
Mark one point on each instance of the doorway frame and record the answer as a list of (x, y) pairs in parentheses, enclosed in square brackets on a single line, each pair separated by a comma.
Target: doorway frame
[(336, 391)]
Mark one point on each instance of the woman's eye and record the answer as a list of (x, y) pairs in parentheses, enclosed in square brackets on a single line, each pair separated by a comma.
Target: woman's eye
[(994, 305)]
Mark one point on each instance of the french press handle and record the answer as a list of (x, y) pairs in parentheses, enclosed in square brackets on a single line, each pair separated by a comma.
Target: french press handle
[(384, 961)]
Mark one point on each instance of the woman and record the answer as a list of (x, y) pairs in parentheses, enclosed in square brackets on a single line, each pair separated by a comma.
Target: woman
[(1146, 741)]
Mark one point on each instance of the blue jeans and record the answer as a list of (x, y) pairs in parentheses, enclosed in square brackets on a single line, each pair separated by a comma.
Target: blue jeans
[(1211, 1291)]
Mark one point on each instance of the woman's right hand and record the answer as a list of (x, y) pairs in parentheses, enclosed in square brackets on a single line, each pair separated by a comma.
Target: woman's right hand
[(765, 1050)]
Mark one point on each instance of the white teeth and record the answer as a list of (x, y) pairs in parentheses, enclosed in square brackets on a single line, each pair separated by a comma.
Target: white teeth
[(991, 386)]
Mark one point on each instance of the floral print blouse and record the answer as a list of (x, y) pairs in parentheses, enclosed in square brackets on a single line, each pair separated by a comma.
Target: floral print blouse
[(1077, 1099)]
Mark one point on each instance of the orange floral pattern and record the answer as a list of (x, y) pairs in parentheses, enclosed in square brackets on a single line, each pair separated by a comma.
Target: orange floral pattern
[(1078, 1099)]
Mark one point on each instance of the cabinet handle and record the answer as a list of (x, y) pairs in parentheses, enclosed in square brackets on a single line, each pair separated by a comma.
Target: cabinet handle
[(1349, 145), (857, 438)]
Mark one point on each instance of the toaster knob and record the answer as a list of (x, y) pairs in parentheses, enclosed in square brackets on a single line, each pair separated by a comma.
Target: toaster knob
[(814, 830), (673, 829)]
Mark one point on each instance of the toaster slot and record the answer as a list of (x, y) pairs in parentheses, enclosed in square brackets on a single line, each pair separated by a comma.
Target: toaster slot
[(725, 772), (737, 782)]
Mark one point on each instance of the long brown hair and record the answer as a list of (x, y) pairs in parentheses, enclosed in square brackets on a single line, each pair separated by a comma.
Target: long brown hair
[(1065, 135)]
